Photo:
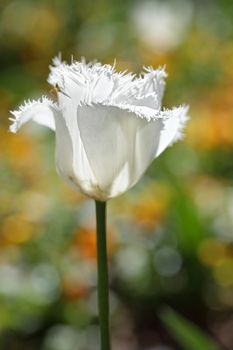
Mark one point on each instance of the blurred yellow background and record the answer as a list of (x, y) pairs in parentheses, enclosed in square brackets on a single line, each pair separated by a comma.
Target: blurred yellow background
[(170, 237)]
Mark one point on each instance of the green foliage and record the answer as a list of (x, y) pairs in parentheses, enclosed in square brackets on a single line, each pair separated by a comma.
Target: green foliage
[(186, 333)]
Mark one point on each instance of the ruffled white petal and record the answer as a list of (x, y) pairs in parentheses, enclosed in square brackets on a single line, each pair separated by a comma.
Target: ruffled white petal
[(151, 100), (148, 89), (87, 82), (138, 111), (41, 111), (174, 121), (153, 81), (96, 83)]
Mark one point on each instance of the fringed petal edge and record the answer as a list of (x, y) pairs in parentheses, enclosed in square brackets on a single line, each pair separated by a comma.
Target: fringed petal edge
[(33, 109)]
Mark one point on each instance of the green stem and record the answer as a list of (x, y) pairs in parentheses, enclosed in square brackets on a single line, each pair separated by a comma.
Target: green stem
[(102, 261)]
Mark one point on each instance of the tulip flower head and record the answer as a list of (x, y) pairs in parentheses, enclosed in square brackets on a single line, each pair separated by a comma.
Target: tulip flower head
[(109, 126)]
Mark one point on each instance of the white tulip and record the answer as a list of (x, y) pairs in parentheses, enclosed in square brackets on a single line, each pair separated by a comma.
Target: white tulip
[(109, 126)]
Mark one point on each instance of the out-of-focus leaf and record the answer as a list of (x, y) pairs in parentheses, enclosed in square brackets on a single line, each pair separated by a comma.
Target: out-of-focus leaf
[(186, 333)]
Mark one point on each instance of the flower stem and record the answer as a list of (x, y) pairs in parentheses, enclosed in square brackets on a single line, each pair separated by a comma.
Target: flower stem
[(103, 297)]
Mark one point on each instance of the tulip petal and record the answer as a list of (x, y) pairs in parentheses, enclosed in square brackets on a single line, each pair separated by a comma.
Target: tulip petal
[(71, 160), (173, 123), (83, 82), (147, 90), (41, 111), (103, 140), (64, 150), (117, 141), (73, 91), (102, 88), (153, 82), (151, 101), (142, 141)]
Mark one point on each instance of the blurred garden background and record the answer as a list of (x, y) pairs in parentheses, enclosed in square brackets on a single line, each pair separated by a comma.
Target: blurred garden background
[(171, 237)]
